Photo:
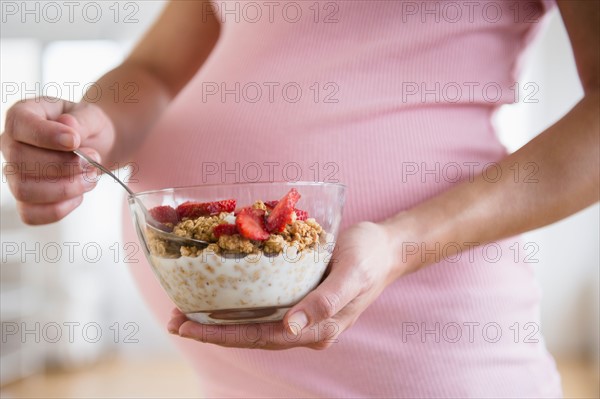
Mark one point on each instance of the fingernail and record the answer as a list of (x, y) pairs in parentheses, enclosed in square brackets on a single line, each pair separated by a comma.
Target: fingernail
[(174, 332), (85, 165), (92, 154), (66, 140), (89, 183), (297, 322)]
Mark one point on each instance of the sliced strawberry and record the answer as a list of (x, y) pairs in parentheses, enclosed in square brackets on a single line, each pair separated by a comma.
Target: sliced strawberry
[(164, 214), (251, 224), (282, 213), (271, 204), (225, 229), (192, 210), (300, 214), (237, 211)]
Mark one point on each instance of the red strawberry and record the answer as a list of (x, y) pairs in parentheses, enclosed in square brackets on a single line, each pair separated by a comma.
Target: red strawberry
[(271, 204), (192, 210), (237, 211), (164, 214), (282, 213), (225, 229), (300, 214), (251, 224)]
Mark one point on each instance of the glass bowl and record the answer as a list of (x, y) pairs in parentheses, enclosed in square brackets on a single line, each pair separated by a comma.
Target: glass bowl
[(216, 287)]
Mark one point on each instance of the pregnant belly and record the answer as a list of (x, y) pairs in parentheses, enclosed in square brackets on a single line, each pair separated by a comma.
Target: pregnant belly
[(389, 162)]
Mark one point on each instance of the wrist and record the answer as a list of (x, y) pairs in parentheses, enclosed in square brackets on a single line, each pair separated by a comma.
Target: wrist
[(416, 239), (403, 233)]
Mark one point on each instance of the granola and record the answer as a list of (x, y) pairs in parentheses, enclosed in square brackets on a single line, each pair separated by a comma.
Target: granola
[(200, 228), (264, 227)]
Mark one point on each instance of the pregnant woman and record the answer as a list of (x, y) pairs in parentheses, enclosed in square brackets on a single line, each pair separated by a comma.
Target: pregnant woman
[(393, 99)]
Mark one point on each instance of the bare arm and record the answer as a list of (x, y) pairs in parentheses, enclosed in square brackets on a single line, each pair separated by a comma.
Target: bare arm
[(567, 154), (158, 67), (44, 131)]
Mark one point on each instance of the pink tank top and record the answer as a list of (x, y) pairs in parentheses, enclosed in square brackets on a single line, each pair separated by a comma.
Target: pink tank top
[(393, 99)]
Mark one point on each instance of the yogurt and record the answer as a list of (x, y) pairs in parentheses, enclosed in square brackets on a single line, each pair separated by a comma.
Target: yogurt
[(214, 288)]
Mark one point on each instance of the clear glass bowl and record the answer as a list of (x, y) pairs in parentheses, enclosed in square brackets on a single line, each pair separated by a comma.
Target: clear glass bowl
[(215, 288)]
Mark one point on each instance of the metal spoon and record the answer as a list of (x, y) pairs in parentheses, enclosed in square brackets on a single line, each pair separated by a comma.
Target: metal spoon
[(153, 224)]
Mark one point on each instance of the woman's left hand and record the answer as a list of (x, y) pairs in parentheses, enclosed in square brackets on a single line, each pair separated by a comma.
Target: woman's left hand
[(364, 262)]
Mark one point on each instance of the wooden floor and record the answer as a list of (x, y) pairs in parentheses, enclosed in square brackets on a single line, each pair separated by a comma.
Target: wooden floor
[(169, 378), (112, 378), (580, 380)]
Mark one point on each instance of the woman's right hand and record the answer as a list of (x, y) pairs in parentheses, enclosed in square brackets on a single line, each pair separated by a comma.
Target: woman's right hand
[(46, 178)]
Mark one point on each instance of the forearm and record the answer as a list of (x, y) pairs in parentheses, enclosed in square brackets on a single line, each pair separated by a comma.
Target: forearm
[(136, 93), (133, 99), (566, 157)]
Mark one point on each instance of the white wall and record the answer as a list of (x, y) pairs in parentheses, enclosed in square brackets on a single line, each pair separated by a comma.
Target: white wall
[(51, 56)]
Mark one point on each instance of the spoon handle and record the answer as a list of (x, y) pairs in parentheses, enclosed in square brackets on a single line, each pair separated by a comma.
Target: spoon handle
[(156, 226), (103, 169)]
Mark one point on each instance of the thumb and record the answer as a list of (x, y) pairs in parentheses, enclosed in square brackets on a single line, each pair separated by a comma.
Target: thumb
[(339, 288), (86, 120)]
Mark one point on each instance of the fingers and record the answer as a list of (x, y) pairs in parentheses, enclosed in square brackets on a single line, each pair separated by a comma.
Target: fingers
[(47, 184), (24, 159), (85, 119), (33, 190), (59, 126), (271, 336), (342, 285), (48, 180), (25, 124), (177, 319), (315, 322), (39, 176), (358, 273), (36, 214)]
